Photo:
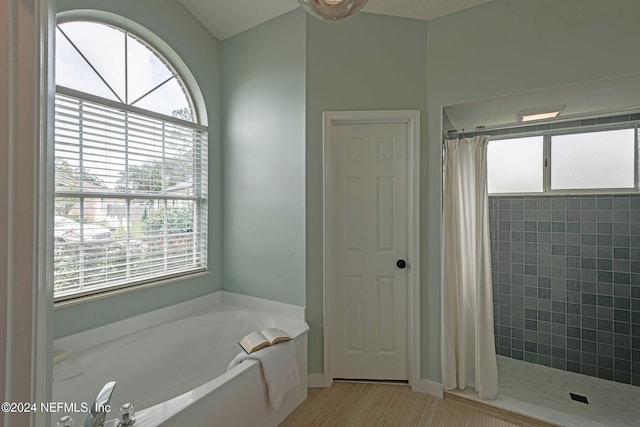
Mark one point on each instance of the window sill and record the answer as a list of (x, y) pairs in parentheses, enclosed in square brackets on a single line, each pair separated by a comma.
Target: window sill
[(108, 293), (603, 192)]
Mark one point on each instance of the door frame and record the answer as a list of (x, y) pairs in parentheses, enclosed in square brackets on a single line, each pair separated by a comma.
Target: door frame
[(26, 192), (412, 119)]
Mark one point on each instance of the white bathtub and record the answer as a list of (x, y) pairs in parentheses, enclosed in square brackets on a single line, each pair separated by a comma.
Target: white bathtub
[(173, 367)]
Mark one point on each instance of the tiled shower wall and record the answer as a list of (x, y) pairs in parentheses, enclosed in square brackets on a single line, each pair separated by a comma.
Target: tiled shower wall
[(566, 282)]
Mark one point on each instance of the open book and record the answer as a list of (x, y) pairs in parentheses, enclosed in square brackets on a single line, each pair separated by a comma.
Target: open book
[(257, 340)]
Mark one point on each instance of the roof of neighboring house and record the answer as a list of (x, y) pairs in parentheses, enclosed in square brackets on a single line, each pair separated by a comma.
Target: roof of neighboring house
[(70, 181), (180, 187)]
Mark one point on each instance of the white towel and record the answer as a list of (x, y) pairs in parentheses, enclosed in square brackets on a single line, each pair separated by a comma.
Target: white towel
[(278, 367)]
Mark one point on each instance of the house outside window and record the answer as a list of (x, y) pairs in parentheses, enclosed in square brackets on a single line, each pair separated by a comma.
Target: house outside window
[(130, 164)]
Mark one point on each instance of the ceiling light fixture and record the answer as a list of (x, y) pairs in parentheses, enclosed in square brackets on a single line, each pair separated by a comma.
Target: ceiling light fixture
[(540, 113), (332, 10)]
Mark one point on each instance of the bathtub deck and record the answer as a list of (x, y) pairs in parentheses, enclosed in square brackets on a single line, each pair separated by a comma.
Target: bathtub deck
[(542, 392)]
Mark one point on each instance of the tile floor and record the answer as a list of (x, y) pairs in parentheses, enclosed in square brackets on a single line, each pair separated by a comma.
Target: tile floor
[(542, 392)]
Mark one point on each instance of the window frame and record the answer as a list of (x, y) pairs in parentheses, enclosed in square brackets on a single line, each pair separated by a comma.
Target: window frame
[(546, 160), (199, 198)]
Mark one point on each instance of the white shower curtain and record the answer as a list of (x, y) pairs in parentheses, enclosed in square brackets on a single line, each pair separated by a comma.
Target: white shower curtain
[(468, 346)]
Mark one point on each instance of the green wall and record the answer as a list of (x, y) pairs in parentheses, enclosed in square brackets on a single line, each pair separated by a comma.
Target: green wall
[(499, 48), (263, 160), (200, 51), (368, 62), (280, 77)]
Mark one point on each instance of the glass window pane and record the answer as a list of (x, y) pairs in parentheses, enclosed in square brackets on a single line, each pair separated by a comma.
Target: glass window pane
[(145, 69), (72, 70), (130, 188), (515, 165), (103, 46), (593, 160), (168, 99), (136, 73)]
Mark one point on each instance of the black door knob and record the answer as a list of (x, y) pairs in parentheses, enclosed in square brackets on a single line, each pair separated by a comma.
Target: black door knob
[(401, 264)]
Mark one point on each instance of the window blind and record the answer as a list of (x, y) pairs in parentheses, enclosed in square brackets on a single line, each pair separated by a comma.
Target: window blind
[(130, 195)]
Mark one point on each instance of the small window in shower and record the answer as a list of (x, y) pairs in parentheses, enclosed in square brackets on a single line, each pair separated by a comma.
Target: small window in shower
[(593, 160), (590, 156), (515, 165)]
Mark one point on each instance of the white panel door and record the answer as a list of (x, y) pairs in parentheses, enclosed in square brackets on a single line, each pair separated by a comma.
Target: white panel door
[(369, 237)]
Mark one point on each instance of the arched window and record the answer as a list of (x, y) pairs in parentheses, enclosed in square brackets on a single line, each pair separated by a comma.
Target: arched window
[(130, 164)]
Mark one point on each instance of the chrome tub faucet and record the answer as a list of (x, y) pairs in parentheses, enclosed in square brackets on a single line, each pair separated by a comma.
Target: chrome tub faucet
[(98, 411)]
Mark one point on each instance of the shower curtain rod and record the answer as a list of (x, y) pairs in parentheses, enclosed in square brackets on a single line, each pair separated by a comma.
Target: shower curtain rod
[(481, 130), (627, 116), (454, 133)]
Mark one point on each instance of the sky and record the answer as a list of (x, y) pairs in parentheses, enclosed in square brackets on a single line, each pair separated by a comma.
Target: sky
[(131, 69), (130, 75)]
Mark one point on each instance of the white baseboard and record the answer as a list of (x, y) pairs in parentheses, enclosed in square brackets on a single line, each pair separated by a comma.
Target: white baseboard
[(424, 386), (429, 387), (315, 381), (433, 388)]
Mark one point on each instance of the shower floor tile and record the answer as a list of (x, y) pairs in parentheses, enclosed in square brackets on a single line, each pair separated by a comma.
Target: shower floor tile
[(544, 393)]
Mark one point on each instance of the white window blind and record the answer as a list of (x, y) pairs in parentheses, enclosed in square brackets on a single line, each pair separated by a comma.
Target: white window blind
[(130, 195)]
